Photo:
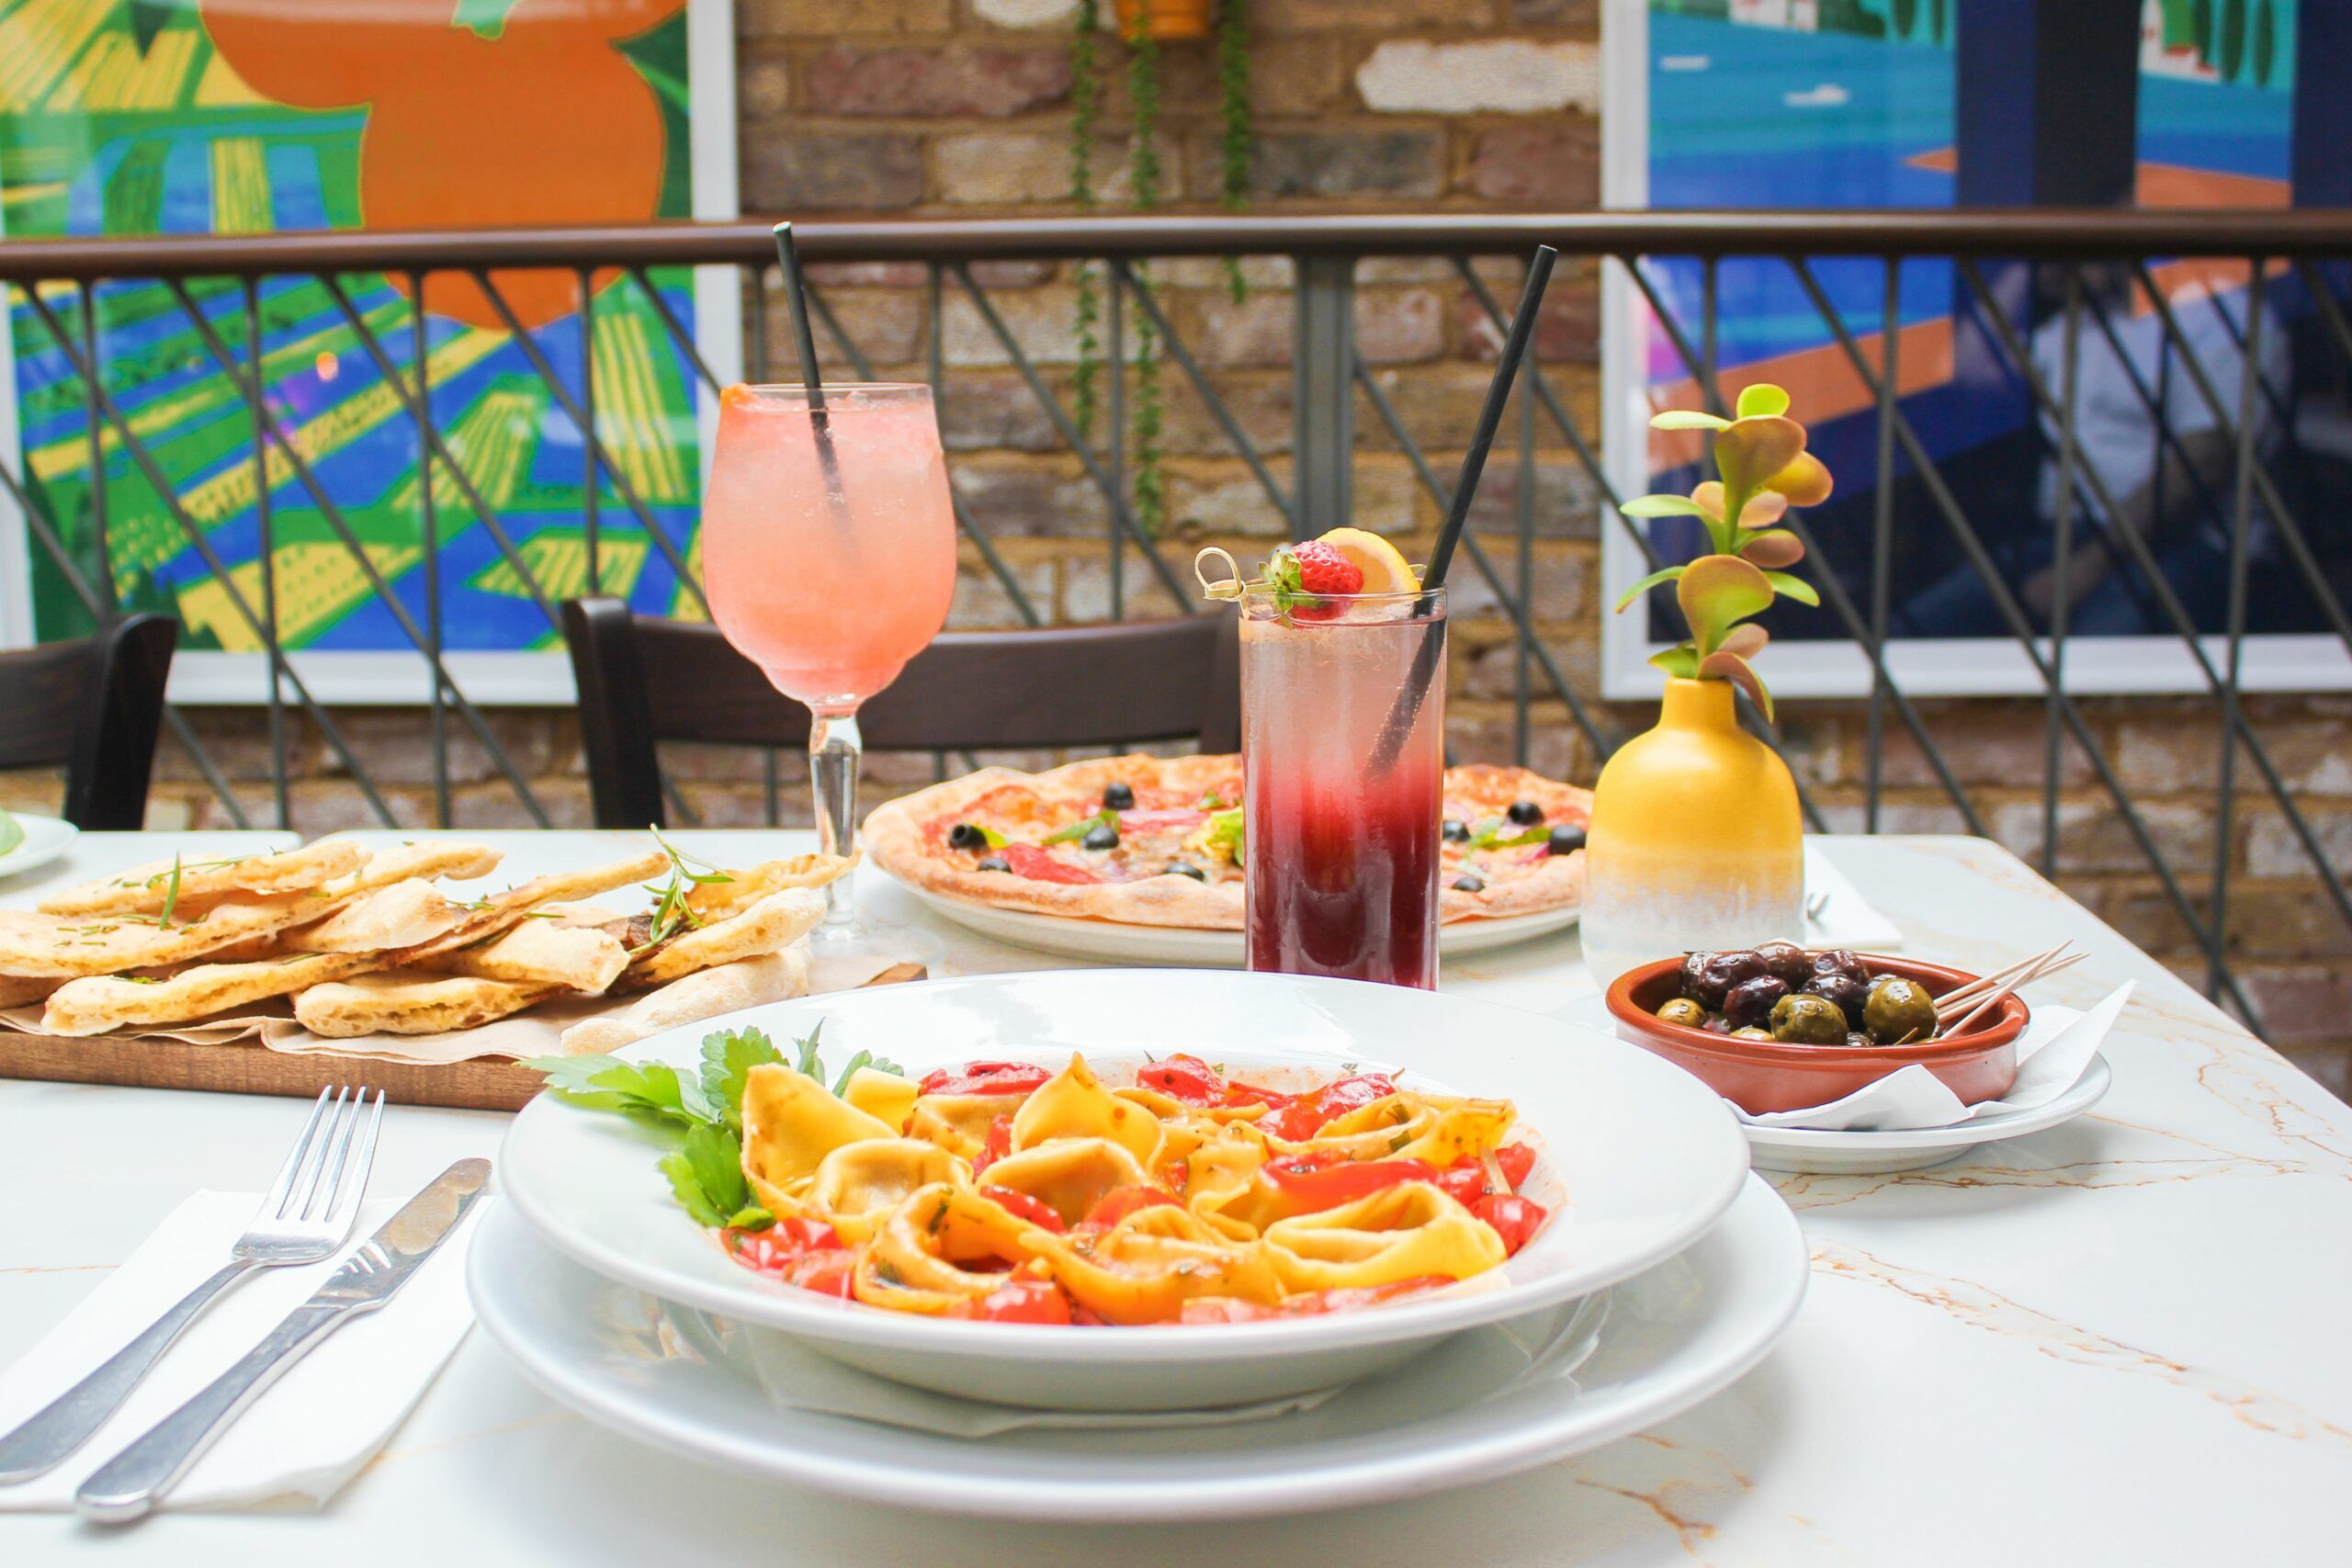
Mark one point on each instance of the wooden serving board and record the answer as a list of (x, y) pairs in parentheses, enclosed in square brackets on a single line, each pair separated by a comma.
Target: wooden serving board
[(490, 1084)]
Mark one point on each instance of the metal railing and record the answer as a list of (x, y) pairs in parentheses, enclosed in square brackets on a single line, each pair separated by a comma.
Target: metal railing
[(2073, 270)]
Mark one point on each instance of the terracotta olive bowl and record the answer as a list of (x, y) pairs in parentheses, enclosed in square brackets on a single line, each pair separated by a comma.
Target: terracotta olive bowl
[(1762, 1076)]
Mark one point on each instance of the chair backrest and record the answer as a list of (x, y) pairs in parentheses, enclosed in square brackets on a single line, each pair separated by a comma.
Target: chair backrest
[(1077, 686), (95, 706)]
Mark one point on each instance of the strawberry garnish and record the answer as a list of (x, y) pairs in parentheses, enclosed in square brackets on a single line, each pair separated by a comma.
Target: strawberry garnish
[(1323, 569)]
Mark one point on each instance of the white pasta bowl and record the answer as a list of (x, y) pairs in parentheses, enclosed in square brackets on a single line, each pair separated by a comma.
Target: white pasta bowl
[(1636, 1159)]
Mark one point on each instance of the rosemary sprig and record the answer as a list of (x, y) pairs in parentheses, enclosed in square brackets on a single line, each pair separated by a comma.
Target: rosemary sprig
[(673, 913)]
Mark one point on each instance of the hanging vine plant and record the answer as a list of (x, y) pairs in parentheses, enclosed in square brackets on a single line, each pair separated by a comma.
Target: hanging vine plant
[(1144, 24)]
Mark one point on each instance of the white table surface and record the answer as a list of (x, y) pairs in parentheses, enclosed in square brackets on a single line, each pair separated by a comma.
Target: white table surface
[(2119, 1341)]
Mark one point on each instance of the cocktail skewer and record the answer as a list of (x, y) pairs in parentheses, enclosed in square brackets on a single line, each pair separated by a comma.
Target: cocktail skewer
[(1989, 1003), (1961, 998)]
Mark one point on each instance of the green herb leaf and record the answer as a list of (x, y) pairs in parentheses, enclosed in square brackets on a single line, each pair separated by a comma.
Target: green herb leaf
[(1509, 835), (171, 898), (1680, 661), (728, 1057), (1228, 831), (706, 1172), (809, 1064), (751, 1217), (1760, 400), (1796, 588), (648, 1092), (1077, 831)]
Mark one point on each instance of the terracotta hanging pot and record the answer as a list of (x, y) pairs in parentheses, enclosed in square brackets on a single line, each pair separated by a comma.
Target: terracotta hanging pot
[(1165, 20)]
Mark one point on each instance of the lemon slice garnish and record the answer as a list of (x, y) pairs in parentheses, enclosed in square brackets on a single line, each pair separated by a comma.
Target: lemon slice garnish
[(1385, 571)]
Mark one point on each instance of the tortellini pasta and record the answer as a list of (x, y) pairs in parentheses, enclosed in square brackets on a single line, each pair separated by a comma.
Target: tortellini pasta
[(1066, 1201)]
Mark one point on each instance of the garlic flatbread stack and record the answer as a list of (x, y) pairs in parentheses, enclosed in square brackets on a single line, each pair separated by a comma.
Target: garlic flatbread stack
[(371, 943)]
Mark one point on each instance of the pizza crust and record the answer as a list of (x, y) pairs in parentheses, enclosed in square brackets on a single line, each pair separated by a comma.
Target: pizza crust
[(894, 837)]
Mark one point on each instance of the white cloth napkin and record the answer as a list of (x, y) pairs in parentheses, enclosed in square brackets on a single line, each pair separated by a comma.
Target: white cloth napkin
[(311, 1431), (1849, 919), (1483, 1362), (2057, 1046)]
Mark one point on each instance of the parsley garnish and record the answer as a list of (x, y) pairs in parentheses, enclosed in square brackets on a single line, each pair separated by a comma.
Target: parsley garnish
[(701, 1116)]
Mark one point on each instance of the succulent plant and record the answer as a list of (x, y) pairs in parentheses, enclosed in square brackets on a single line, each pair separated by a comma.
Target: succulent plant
[(1765, 470)]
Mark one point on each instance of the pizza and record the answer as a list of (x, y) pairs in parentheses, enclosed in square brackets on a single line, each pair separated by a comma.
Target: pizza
[(1162, 841)]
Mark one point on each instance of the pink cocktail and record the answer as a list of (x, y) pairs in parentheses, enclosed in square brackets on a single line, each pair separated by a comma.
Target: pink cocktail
[(829, 554), (1344, 799)]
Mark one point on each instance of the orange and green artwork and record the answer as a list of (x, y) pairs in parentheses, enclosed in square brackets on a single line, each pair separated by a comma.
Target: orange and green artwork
[(243, 117)]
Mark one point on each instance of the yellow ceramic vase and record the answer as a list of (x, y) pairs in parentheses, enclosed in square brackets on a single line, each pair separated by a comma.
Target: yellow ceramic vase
[(1696, 839)]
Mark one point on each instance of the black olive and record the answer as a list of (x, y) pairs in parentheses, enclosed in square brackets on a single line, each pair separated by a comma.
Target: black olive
[(1453, 830), (1786, 962), (1720, 973), (996, 863), (1838, 961), (1749, 1003), (1469, 882), (963, 836), (1526, 813), (1566, 841), (1694, 966), (1851, 994), (1119, 796), (1185, 868), (1101, 835)]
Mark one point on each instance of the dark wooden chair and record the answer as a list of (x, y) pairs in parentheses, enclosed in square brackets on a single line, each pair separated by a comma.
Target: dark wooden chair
[(95, 706), (644, 680)]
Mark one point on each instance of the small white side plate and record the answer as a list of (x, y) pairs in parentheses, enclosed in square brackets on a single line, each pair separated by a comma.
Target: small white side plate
[(46, 838), (1188, 947), (660, 1373), (1916, 1149)]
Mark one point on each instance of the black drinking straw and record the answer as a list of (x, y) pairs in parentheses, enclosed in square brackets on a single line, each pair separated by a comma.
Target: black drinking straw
[(1415, 692), (803, 338)]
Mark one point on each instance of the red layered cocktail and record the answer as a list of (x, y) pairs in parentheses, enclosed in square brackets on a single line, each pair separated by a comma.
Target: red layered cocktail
[(1345, 774)]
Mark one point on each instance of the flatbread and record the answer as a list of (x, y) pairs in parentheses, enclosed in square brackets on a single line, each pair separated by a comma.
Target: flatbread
[(68, 947), (94, 1005), (145, 890), (1176, 799), (500, 911), (748, 982), (402, 915), (717, 900), (410, 1004), (422, 859), (542, 951), (23, 990), (774, 922)]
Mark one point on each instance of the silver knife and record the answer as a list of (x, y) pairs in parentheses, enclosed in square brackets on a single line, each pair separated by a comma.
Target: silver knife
[(127, 1486)]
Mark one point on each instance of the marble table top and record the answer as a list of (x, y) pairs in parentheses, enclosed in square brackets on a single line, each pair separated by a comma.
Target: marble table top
[(2116, 1341)]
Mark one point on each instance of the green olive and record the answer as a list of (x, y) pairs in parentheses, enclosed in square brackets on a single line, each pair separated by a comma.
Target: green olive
[(1804, 1020), (1898, 1010), (1684, 1012), (1751, 1033)]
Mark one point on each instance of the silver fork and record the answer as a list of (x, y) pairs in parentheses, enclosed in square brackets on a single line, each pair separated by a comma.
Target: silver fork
[(305, 1216)]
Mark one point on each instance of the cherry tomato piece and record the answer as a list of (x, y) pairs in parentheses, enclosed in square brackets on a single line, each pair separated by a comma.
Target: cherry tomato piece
[(995, 1145), (1018, 1301), (1311, 1188), (1515, 1219), (828, 1273), (984, 1077), (1022, 1206), (1303, 1118), (1185, 1078)]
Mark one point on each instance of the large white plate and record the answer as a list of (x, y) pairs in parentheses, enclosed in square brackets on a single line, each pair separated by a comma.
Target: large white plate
[(683, 1381), (1638, 1157), (1189, 947), (1916, 1149), (45, 839)]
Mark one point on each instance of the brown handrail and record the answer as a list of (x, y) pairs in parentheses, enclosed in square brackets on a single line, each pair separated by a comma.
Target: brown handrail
[(2058, 233)]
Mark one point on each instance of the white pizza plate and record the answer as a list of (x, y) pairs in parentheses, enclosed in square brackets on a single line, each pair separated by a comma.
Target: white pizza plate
[(1916, 1149), (46, 838), (683, 1381), (1189, 947), (1636, 1157)]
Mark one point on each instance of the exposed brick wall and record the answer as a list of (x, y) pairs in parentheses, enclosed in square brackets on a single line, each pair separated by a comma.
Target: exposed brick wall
[(960, 107)]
